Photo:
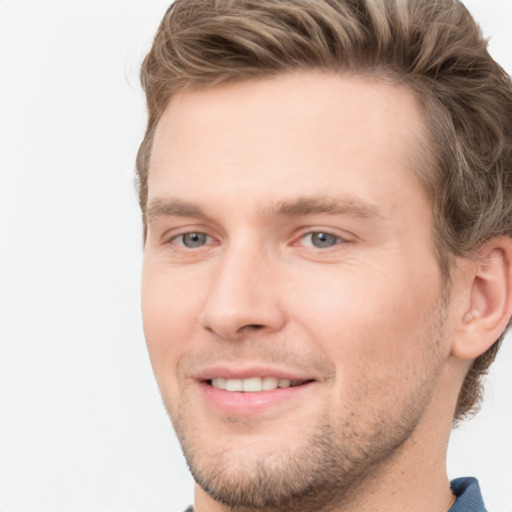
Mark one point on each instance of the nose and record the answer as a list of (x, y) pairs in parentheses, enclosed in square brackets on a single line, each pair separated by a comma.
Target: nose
[(244, 296)]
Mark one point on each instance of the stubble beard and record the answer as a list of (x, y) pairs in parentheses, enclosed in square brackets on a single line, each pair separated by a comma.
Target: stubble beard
[(336, 460), (327, 470), (318, 475)]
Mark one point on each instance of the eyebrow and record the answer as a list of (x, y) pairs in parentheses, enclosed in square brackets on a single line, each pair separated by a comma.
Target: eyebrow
[(299, 207), (172, 208), (345, 205)]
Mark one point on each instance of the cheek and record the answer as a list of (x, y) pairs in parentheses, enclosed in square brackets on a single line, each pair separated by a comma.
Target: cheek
[(381, 341), (170, 309), (369, 319)]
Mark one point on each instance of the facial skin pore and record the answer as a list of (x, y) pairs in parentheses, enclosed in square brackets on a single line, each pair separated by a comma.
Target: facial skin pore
[(289, 238)]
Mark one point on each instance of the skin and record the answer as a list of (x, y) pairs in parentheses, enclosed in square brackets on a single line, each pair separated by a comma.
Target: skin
[(258, 168)]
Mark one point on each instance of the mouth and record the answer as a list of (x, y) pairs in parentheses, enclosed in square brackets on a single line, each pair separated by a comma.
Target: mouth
[(251, 393), (254, 384)]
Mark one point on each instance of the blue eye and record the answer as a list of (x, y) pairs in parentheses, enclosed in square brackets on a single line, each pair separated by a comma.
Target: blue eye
[(192, 240), (321, 240)]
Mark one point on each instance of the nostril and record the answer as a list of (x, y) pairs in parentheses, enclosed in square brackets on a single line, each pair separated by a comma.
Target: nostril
[(253, 327)]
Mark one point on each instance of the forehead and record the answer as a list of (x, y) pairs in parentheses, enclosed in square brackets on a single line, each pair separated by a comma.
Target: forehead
[(284, 135)]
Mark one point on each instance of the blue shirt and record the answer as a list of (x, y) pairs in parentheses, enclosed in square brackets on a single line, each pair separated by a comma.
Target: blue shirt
[(468, 495), (469, 498)]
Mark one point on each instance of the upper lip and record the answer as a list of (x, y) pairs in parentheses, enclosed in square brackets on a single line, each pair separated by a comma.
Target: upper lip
[(239, 371)]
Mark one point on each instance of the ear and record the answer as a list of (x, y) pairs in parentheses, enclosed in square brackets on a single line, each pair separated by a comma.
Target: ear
[(488, 305)]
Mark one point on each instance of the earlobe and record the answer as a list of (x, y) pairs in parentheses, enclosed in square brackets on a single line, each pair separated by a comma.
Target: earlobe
[(489, 304)]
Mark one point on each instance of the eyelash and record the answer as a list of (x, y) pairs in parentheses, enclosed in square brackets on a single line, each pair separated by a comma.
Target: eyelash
[(204, 239)]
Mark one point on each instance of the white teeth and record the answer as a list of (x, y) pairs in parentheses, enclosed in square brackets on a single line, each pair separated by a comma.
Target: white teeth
[(219, 383), (252, 384), (284, 383), (269, 383), (234, 385)]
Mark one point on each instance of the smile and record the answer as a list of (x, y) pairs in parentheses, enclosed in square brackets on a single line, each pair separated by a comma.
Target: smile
[(253, 384)]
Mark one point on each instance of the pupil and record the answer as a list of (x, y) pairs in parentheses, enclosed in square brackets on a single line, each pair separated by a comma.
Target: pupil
[(194, 240), (323, 240)]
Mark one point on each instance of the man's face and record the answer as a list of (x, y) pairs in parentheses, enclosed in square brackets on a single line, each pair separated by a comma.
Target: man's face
[(290, 245)]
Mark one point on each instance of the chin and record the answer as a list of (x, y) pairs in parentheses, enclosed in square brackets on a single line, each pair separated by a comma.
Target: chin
[(263, 472), (304, 464), (302, 469)]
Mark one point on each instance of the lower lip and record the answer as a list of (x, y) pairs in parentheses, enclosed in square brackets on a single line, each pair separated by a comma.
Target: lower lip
[(248, 404)]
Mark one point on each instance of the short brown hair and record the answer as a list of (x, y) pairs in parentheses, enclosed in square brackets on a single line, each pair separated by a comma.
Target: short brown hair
[(433, 46)]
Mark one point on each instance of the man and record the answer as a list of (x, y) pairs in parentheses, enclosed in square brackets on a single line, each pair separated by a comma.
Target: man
[(326, 195)]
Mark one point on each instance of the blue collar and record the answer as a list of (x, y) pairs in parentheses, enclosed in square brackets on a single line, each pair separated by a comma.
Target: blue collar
[(469, 498)]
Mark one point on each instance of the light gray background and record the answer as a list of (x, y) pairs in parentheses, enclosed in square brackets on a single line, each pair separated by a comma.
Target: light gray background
[(81, 423)]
